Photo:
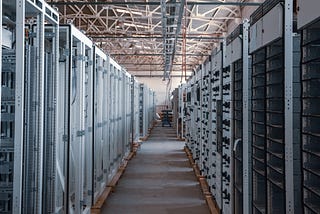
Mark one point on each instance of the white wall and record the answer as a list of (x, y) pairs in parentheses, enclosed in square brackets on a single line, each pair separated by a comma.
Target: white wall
[(156, 84)]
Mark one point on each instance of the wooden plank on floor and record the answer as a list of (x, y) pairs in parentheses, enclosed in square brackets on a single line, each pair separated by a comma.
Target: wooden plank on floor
[(213, 206), (95, 209)]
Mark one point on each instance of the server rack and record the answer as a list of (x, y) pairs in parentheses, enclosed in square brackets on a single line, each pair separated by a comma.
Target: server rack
[(100, 122), (146, 109), (135, 110), (51, 65), (309, 24), (128, 114), (175, 109), (237, 136), (271, 147), (204, 124), (151, 109), (25, 108), (236, 110), (274, 126), (181, 112), (7, 129), (141, 109), (216, 160), (190, 115), (114, 116), (117, 119), (193, 119), (205, 117), (60, 99), (226, 135), (198, 124), (75, 123), (1, 48)]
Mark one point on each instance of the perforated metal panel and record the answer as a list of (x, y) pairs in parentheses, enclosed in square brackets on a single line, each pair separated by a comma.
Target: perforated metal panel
[(7, 129), (226, 140), (237, 135), (310, 121), (268, 128), (258, 131)]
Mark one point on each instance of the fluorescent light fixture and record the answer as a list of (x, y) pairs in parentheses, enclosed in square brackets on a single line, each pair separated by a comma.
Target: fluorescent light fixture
[(134, 25), (144, 47), (129, 11)]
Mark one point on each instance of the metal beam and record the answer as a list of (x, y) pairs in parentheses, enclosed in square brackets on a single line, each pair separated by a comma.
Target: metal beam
[(156, 75), (246, 142), (128, 63), (154, 71), (218, 3), (152, 37), (289, 141), (19, 107), (164, 31), (155, 54)]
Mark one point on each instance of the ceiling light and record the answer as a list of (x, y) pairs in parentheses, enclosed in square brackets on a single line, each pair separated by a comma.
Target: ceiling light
[(135, 25), (129, 11)]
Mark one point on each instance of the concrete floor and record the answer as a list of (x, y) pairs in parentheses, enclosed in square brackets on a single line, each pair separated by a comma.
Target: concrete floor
[(158, 180)]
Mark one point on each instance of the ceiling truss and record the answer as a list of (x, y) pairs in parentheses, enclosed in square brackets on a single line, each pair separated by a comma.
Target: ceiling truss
[(154, 35)]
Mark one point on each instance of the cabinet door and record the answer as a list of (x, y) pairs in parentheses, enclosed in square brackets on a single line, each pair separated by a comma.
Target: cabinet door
[(236, 52), (272, 25), (256, 36), (308, 11)]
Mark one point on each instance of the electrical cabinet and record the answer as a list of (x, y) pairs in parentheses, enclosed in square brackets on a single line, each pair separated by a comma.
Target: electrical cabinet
[(178, 110), (189, 119), (135, 110), (75, 78), (146, 109), (269, 144), (100, 122), (237, 91), (175, 109), (310, 134), (198, 103), (216, 96), (69, 113), (235, 147), (271, 13), (29, 65), (141, 110), (307, 12), (205, 118), (7, 128), (182, 111), (251, 157)]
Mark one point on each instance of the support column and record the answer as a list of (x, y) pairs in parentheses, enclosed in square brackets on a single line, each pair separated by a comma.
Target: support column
[(247, 194), (288, 77), (19, 106)]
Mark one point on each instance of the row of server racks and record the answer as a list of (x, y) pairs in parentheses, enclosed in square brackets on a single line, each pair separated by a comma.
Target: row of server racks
[(69, 113), (252, 112), (147, 103)]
